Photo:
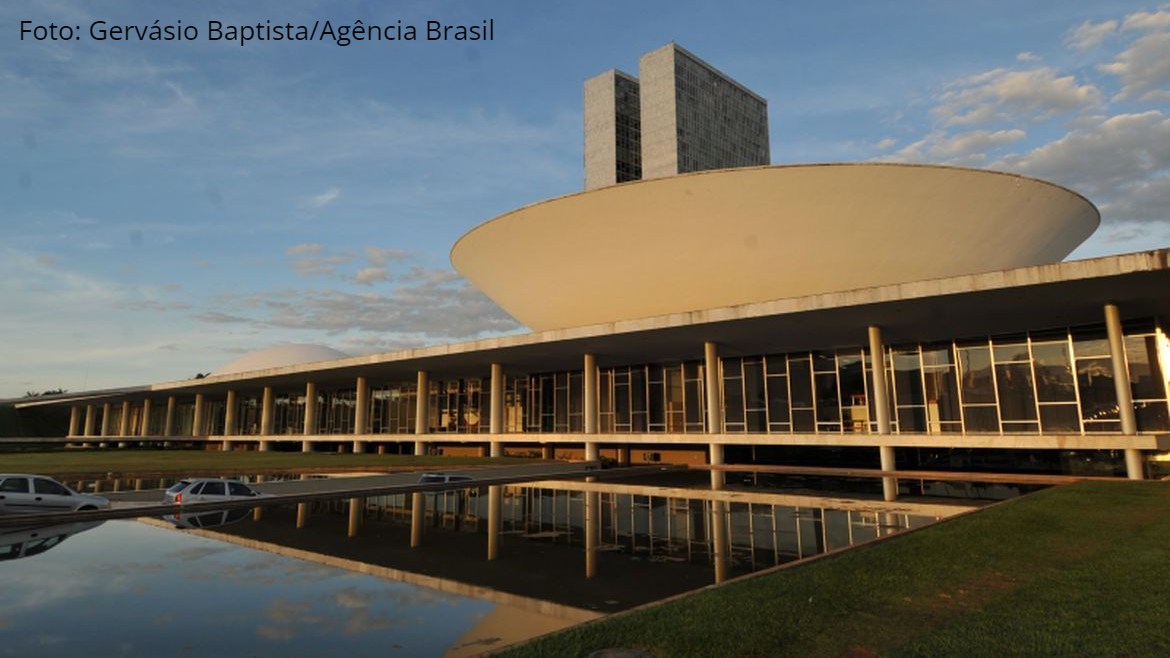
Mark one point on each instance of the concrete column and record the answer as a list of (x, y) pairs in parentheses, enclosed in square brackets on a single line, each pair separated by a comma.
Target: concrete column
[(306, 446), (547, 452), (496, 418), (881, 405), (422, 412), (266, 409), (74, 420), (361, 414), (361, 408), (592, 416), (107, 419), (145, 429), (310, 409), (1134, 461), (229, 414), (169, 419), (355, 515), (714, 388), (197, 423), (124, 420), (418, 508), (89, 419), (592, 531), (495, 512), (302, 515)]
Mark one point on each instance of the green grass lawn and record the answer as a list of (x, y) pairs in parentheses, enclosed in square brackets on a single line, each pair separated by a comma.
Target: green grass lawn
[(144, 462), (1079, 570)]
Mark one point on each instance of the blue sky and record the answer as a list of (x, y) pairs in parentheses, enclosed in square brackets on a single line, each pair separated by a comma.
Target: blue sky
[(166, 207)]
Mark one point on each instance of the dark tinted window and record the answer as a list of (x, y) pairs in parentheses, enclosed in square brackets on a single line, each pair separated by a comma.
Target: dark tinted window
[(14, 485), (178, 486), (43, 486), (213, 489), (237, 489)]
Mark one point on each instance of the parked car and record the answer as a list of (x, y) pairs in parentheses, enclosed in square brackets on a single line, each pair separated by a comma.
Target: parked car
[(23, 493), (432, 478), (208, 490)]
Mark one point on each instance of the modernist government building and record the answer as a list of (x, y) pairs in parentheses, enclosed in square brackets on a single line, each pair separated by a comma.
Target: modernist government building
[(697, 305)]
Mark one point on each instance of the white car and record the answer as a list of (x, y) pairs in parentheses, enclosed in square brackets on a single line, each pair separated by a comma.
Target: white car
[(208, 490), (23, 493)]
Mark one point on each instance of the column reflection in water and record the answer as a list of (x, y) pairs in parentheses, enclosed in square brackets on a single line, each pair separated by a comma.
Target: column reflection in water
[(731, 531)]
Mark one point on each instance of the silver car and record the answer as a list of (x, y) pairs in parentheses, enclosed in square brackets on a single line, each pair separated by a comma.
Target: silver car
[(23, 493), (208, 490)]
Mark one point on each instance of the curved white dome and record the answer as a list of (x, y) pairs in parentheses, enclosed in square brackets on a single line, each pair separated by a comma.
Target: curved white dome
[(279, 356), (738, 236)]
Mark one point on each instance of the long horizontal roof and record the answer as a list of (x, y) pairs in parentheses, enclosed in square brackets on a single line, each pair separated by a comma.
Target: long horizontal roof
[(1037, 297)]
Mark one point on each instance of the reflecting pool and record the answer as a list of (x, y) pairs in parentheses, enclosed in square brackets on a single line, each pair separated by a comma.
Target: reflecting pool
[(451, 573)]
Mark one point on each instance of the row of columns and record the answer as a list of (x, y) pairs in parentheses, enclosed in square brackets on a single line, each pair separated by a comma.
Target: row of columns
[(714, 401)]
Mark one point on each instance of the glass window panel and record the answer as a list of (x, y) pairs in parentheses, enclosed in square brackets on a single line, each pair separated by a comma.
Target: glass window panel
[(1145, 377), (778, 399), (757, 420), (936, 356), (942, 399), (823, 362), (1111, 426), (1021, 427), (977, 384), (1152, 416), (982, 418), (753, 384), (828, 407), (800, 382), (1054, 379), (802, 420), (1090, 341), (911, 419), (1098, 397), (1060, 418), (733, 400), (1017, 401), (1011, 352), (907, 378)]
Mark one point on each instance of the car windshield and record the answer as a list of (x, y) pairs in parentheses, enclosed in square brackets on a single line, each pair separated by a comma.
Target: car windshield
[(178, 486)]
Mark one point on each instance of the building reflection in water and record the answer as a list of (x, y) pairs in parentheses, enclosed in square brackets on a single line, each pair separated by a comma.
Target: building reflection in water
[(653, 541)]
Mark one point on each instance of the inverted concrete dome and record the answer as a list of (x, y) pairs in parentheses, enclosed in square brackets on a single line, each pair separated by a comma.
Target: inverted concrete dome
[(737, 236), (279, 356)]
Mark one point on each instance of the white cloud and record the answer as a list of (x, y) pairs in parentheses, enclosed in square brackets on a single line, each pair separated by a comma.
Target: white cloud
[(1003, 94), (1027, 57), (371, 275), (325, 198), (305, 248), (1090, 35), (380, 257), (964, 148), (1144, 69), (1145, 20)]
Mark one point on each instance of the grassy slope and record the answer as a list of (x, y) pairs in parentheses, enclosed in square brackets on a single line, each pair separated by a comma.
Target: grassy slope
[(1078, 570), (64, 462)]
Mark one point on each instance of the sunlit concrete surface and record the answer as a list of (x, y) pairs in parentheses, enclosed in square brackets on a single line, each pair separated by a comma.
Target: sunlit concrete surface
[(739, 236)]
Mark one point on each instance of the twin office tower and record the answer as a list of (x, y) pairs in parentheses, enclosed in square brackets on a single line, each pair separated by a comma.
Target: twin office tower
[(679, 115)]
